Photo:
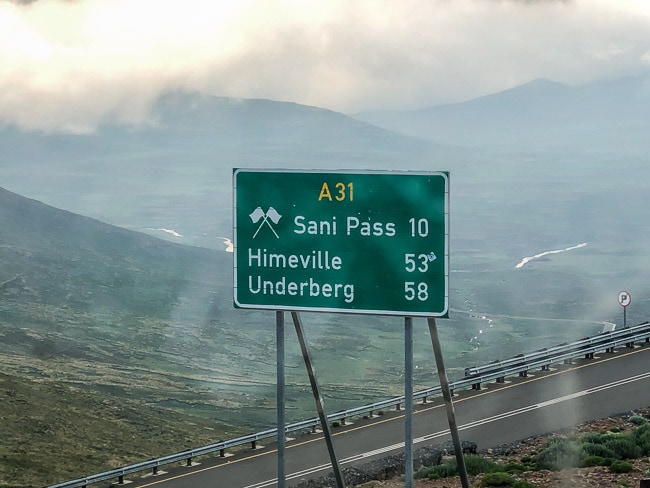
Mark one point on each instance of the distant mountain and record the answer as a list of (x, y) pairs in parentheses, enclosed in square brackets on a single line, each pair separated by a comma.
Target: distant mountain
[(175, 172), (538, 113), (53, 258)]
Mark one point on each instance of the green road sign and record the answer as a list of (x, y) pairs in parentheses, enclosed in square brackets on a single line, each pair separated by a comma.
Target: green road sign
[(342, 241)]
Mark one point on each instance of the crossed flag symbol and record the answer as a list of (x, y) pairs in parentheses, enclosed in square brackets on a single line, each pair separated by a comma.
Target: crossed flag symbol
[(271, 214)]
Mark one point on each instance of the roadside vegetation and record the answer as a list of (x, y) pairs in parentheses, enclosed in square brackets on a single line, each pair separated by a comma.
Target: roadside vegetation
[(54, 433), (614, 449)]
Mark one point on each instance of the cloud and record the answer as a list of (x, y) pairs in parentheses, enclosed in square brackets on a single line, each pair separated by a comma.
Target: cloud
[(70, 65)]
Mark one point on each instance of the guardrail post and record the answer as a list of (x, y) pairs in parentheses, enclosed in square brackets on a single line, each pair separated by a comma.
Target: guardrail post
[(630, 345), (188, 463), (501, 379), (523, 374), (155, 470), (222, 453), (120, 480), (424, 399), (398, 407), (476, 386), (254, 445), (546, 367)]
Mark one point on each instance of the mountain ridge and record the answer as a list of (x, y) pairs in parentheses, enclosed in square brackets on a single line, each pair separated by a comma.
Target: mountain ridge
[(64, 259), (540, 112)]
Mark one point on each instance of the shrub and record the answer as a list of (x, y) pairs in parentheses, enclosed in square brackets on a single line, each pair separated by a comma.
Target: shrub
[(600, 450), (436, 472), (497, 479), (620, 467), (443, 471), (641, 430), (503, 479), (641, 436), (476, 464), (522, 484), (638, 420), (514, 468), (624, 447), (559, 454), (593, 438), (591, 461)]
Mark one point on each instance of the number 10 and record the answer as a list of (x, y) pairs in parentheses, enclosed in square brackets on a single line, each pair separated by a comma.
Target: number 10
[(419, 227)]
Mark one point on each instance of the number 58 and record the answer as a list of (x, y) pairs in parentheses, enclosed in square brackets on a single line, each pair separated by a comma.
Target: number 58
[(411, 291)]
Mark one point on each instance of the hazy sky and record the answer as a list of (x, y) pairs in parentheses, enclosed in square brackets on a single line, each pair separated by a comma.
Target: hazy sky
[(70, 64)]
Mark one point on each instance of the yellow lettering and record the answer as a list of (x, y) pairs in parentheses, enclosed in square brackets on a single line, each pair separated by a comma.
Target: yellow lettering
[(325, 193), (343, 192), (341, 196)]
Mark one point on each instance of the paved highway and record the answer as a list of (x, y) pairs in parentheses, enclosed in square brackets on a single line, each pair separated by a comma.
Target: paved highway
[(545, 401)]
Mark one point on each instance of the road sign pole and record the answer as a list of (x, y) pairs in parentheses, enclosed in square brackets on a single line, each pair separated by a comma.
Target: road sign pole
[(408, 401), (279, 329), (338, 475), (449, 405), (624, 300)]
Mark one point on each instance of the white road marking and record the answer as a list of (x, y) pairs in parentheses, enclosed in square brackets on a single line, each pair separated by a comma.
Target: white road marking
[(469, 425)]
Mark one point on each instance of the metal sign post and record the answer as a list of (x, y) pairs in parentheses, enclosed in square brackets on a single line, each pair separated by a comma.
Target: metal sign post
[(364, 242), (624, 300), (449, 405), (408, 401), (279, 330), (338, 475)]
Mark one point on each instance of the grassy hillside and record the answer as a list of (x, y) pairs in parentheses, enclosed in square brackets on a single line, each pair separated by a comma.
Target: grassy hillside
[(53, 257), (53, 432), (82, 306)]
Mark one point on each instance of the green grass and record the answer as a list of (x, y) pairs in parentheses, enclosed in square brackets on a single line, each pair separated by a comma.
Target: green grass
[(53, 433)]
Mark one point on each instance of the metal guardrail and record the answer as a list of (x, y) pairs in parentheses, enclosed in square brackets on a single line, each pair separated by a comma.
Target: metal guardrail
[(543, 358), (588, 345)]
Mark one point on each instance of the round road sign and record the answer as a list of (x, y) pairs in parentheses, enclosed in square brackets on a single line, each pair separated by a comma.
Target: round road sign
[(624, 298)]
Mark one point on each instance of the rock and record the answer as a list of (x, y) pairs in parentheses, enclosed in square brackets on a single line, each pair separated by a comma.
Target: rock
[(380, 470)]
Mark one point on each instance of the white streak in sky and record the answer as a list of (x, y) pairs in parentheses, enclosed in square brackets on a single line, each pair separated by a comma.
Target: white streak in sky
[(546, 253)]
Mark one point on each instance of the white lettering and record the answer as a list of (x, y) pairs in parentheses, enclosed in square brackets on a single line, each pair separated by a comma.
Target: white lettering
[(366, 229), (308, 288), (314, 227), (261, 258)]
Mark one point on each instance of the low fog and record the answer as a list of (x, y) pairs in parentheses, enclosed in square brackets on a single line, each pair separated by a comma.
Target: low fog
[(67, 66)]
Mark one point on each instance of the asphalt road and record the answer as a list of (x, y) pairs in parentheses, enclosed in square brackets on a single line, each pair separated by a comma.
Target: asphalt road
[(545, 401)]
